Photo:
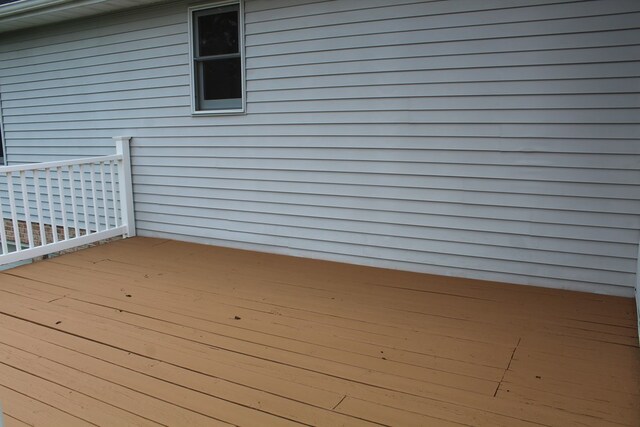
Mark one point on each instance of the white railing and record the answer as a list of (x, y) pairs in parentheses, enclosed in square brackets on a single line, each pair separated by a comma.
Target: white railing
[(55, 206)]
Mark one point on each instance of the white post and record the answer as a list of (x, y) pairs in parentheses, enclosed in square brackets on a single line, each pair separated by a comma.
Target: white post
[(126, 184)]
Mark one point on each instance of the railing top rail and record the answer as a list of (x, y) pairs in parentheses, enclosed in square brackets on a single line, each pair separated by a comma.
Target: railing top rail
[(62, 163)]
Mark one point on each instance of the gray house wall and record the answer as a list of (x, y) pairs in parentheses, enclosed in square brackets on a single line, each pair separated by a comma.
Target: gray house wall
[(496, 139)]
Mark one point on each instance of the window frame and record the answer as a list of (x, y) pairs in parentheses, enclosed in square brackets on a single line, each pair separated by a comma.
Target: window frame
[(195, 87)]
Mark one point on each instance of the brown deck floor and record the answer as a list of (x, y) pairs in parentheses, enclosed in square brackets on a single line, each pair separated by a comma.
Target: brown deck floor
[(147, 331)]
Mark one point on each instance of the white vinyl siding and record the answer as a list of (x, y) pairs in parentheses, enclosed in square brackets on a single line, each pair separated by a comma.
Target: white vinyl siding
[(495, 139)]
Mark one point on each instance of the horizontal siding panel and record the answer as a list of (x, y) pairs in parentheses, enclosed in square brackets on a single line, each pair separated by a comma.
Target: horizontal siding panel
[(34, 146), (453, 14), (521, 145), (451, 104), (445, 103), (79, 82), (158, 128), (281, 10), (424, 156), (512, 27), (436, 40), (98, 97), (441, 32), (362, 90), (609, 242), (601, 254), (154, 112), (103, 106), (603, 227), (315, 194), (89, 47), (180, 48), (457, 225), (181, 115), (142, 83), (424, 70), (119, 27), (536, 173), (401, 237), (103, 70), (448, 58), (99, 55), (387, 247), (314, 8), (513, 145), (491, 139), (425, 180), (258, 5)]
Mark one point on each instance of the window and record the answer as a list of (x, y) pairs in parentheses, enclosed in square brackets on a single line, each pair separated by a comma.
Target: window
[(217, 59)]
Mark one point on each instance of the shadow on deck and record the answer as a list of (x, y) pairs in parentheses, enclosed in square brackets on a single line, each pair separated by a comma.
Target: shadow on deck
[(147, 331)]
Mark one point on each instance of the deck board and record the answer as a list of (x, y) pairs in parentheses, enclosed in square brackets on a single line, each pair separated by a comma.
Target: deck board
[(151, 331)]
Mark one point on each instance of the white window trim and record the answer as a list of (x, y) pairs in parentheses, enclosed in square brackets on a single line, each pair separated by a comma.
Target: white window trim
[(243, 108)]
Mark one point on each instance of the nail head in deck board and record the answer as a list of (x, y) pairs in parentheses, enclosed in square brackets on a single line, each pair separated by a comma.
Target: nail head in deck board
[(279, 344)]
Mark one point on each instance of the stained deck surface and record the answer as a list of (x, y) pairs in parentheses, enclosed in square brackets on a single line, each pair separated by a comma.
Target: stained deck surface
[(147, 332)]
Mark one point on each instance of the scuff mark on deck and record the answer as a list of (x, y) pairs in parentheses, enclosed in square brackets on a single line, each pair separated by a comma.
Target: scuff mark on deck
[(338, 404), (508, 366)]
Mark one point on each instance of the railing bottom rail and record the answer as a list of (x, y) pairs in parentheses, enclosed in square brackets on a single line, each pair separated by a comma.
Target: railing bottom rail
[(50, 248)]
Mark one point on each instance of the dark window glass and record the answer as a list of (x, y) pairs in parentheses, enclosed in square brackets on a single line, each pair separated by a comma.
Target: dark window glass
[(218, 34), (221, 79)]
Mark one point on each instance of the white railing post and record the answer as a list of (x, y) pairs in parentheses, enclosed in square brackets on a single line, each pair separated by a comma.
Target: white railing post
[(126, 184)]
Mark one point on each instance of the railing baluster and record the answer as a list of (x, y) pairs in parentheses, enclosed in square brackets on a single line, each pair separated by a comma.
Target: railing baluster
[(74, 201), (52, 208), (27, 207), (63, 204), (104, 196), (14, 214), (93, 193), (36, 188), (83, 190), (113, 194), (3, 232)]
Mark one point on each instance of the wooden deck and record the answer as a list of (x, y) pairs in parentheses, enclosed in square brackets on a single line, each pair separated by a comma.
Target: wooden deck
[(147, 332)]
